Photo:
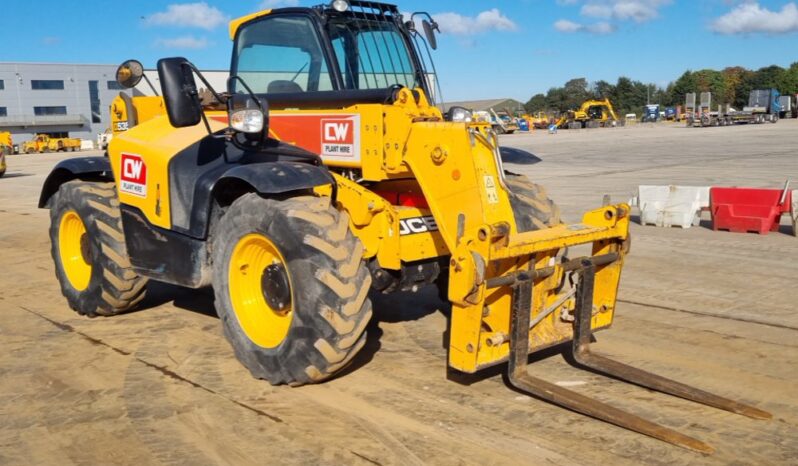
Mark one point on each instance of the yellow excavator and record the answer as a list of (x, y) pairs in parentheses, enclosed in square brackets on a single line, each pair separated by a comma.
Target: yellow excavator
[(591, 114), (310, 182)]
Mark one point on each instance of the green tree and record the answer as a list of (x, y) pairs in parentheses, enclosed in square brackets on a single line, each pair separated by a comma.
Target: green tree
[(683, 85), (787, 82), (734, 78), (576, 92), (602, 90), (537, 103)]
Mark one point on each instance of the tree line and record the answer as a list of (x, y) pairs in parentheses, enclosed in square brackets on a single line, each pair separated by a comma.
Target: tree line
[(728, 86)]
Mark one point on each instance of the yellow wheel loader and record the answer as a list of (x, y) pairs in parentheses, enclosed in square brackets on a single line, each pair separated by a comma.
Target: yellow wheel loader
[(325, 171)]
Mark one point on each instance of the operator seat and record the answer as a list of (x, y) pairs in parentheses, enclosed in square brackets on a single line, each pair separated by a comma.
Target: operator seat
[(283, 87)]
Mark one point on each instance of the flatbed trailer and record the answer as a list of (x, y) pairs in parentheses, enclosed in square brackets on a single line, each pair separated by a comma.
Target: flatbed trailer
[(763, 107)]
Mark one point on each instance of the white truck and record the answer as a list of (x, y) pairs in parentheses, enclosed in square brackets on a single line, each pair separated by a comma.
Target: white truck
[(104, 138)]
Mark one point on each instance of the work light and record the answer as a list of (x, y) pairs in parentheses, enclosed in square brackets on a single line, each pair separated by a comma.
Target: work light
[(340, 5), (247, 121)]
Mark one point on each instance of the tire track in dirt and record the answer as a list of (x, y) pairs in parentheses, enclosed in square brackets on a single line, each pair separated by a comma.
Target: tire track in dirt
[(152, 407)]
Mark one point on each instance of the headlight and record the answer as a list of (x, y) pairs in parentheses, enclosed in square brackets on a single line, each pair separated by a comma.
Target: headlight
[(340, 5), (247, 121), (460, 115)]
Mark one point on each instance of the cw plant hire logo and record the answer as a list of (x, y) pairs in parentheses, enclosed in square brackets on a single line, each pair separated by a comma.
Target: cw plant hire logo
[(133, 179), (338, 137)]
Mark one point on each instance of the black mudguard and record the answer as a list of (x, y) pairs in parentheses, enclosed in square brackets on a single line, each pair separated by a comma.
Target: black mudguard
[(84, 168), (208, 168)]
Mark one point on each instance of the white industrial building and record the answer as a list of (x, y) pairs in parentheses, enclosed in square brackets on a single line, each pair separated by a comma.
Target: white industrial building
[(66, 100)]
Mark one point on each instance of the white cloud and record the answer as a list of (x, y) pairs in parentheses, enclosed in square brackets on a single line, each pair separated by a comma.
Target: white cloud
[(564, 25), (638, 11), (596, 11), (749, 18), (183, 42), (489, 20), (570, 27), (198, 15), (270, 4), (602, 27)]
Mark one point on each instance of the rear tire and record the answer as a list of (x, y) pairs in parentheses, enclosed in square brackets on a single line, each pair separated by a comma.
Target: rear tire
[(112, 286), (532, 208), (327, 284)]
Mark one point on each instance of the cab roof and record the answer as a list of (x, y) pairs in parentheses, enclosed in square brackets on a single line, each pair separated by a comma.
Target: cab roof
[(356, 6)]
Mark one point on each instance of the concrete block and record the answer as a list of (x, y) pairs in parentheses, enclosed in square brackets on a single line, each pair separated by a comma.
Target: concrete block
[(667, 206)]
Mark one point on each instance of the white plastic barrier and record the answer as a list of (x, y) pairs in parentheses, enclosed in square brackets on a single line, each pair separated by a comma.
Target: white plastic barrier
[(86, 144), (795, 212), (667, 206)]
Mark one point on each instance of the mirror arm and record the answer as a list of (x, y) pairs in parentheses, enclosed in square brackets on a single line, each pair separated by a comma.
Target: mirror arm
[(150, 83), (432, 21), (207, 125), (221, 99), (243, 83)]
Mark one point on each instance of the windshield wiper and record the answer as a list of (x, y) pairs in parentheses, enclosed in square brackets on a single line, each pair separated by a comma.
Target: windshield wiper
[(300, 71)]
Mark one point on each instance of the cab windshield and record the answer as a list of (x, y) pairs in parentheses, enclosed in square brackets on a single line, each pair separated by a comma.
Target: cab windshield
[(283, 54), (371, 54), (280, 54)]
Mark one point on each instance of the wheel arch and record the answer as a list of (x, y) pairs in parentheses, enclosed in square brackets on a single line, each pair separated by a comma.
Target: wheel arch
[(264, 179), (83, 168), (274, 178)]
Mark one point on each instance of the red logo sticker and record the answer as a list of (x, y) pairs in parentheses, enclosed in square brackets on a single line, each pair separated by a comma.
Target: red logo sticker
[(338, 137), (133, 179)]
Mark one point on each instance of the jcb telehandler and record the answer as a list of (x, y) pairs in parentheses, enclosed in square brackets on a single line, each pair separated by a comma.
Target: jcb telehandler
[(324, 171)]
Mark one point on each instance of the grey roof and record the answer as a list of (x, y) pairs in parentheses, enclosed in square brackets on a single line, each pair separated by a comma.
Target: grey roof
[(487, 104)]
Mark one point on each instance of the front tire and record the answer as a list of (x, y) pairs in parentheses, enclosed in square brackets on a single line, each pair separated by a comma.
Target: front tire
[(532, 208), (89, 251), (291, 287)]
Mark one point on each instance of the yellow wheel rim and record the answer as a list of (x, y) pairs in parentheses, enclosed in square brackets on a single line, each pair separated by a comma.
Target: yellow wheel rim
[(73, 244), (264, 318)]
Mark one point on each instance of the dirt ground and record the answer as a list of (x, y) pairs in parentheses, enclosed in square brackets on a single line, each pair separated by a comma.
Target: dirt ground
[(161, 385)]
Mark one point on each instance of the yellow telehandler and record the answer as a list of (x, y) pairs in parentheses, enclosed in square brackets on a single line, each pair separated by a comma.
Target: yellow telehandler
[(323, 171)]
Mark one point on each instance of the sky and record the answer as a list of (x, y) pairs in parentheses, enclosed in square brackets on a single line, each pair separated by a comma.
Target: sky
[(486, 49)]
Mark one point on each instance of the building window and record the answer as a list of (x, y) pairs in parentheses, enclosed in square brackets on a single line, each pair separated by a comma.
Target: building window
[(57, 135), (3, 112), (2, 84), (114, 86), (94, 101), (47, 84), (49, 111)]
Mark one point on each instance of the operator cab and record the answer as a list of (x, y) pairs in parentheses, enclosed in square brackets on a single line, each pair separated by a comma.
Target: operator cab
[(345, 53)]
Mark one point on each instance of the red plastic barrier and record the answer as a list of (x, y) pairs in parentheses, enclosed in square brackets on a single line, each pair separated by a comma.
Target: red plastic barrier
[(743, 210)]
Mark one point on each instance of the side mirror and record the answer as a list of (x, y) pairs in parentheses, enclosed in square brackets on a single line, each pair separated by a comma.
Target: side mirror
[(129, 74), (180, 92), (429, 32)]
